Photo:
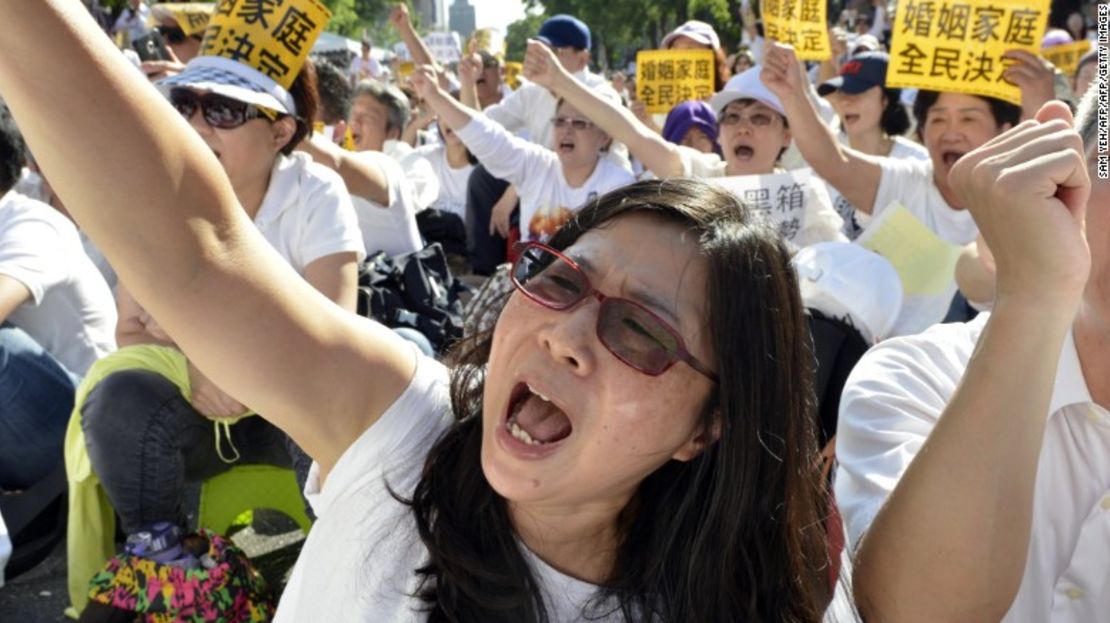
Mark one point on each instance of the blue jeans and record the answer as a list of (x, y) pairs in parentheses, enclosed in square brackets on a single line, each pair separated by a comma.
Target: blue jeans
[(36, 398)]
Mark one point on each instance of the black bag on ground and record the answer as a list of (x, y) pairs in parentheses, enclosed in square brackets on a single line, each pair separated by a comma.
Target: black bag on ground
[(414, 290), (446, 228)]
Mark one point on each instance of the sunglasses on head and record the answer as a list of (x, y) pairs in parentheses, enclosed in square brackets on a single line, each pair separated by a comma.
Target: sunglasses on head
[(632, 332), (172, 34), (218, 111)]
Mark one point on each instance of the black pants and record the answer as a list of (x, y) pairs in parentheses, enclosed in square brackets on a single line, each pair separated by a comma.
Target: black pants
[(145, 441), (485, 251)]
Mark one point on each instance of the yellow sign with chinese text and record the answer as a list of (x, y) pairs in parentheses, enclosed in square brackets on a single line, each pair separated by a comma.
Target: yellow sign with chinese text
[(1066, 57), (958, 45), (191, 17), (800, 23), (923, 261), (272, 36), (665, 78), (513, 70)]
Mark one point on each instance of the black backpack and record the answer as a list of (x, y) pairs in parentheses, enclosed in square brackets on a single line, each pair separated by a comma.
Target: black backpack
[(414, 290)]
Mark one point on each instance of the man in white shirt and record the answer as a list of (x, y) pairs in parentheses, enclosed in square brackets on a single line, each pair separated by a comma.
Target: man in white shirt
[(365, 66), (974, 475), (57, 316), (133, 20)]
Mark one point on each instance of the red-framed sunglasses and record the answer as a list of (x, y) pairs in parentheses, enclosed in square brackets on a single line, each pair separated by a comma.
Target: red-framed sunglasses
[(632, 332)]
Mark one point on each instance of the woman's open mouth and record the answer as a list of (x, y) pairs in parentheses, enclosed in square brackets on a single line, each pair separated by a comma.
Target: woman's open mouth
[(534, 420)]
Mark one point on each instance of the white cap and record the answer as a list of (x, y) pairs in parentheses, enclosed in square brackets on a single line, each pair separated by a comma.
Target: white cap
[(698, 31), (235, 80), (852, 284), (747, 85)]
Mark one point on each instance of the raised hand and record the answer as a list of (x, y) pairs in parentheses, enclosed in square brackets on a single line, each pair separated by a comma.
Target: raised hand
[(470, 68), (424, 82), (1028, 191), (399, 17), (541, 66), (1036, 78), (781, 73)]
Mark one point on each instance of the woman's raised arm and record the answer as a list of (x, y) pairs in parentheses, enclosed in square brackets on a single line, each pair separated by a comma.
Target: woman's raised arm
[(149, 192)]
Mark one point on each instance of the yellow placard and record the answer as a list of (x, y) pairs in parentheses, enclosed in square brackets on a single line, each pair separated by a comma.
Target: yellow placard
[(665, 78), (958, 46), (924, 262), (191, 17), (405, 69), (272, 36), (513, 70), (1066, 57), (801, 23)]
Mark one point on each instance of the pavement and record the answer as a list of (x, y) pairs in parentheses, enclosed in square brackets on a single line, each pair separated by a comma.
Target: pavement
[(39, 596)]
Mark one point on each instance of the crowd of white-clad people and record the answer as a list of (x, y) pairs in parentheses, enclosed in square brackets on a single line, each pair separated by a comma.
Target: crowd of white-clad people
[(661, 403)]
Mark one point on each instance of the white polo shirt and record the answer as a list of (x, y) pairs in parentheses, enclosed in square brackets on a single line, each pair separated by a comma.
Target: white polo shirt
[(891, 403)]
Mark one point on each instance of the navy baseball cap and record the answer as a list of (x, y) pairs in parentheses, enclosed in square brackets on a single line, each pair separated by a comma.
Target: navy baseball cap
[(858, 74), (564, 31)]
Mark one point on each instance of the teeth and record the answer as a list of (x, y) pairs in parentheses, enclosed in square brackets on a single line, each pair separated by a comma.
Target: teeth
[(539, 395), (516, 431)]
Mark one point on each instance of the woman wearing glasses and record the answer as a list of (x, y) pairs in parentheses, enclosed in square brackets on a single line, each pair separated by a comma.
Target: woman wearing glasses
[(633, 441), (150, 427), (552, 184), (752, 133)]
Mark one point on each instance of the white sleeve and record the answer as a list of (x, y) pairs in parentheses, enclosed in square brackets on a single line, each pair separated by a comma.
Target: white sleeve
[(511, 112), (901, 181), (700, 165), (29, 253), (890, 404), (331, 225), (878, 25), (505, 156)]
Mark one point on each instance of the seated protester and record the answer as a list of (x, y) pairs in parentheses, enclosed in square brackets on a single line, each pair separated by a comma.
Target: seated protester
[(753, 134), (452, 163), (553, 185), (872, 119), (383, 196), (56, 319), (975, 458), (173, 421), (693, 124), (950, 124)]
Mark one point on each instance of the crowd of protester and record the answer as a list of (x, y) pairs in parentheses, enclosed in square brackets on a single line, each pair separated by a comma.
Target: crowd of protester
[(668, 410)]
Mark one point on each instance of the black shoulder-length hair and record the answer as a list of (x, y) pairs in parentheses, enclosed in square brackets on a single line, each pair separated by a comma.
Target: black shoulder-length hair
[(735, 534), (895, 119)]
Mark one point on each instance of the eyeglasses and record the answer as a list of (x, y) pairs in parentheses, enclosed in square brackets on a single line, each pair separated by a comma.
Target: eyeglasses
[(577, 124), (172, 34), (219, 111), (632, 332), (756, 120)]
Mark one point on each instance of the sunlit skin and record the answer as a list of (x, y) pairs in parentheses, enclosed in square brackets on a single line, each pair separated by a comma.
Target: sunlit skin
[(860, 114), (368, 121), (747, 148), (185, 51), (578, 150), (626, 424), (697, 139), (955, 125)]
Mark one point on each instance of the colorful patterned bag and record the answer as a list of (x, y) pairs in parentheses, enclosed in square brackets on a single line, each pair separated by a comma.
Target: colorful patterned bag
[(227, 589)]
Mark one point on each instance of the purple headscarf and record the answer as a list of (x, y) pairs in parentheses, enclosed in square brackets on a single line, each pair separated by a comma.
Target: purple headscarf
[(691, 114)]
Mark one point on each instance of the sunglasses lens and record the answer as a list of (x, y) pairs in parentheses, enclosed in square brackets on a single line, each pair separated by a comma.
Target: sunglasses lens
[(549, 279), (221, 112), (636, 336), (184, 101), (172, 34)]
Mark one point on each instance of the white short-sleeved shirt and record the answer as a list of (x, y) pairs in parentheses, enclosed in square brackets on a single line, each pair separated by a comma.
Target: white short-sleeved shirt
[(891, 404), (359, 561), (306, 213), (546, 199), (822, 223), (910, 183), (418, 171), (903, 149), (71, 312), (452, 181), (390, 228)]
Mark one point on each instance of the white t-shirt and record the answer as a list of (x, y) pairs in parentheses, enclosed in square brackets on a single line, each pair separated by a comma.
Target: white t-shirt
[(71, 312), (547, 201), (452, 182), (903, 149), (822, 223), (359, 560), (306, 213), (890, 405), (418, 171), (910, 182), (365, 69), (389, 228)]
